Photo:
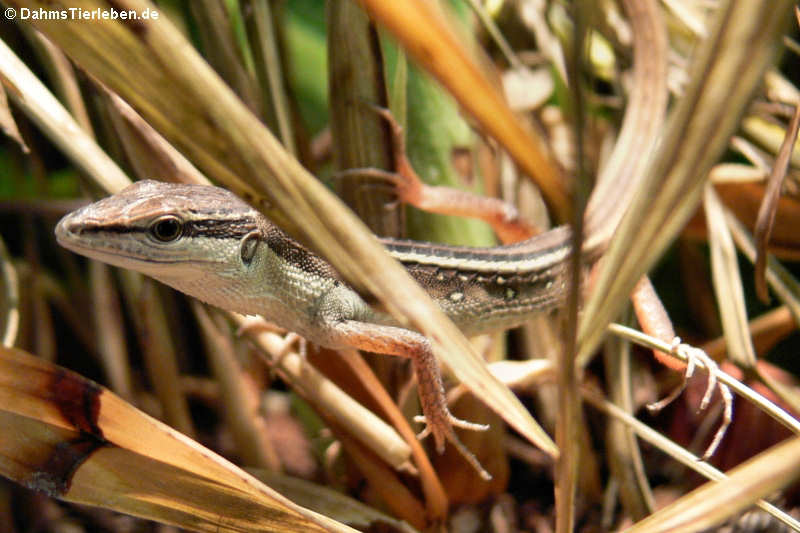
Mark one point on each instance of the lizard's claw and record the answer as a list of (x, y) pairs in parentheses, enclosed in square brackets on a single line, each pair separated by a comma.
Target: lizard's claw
[(463, 424), (454, 422), (441, 434)]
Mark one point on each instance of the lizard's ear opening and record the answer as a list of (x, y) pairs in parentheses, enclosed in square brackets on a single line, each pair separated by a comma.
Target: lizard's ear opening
[(249, 245)]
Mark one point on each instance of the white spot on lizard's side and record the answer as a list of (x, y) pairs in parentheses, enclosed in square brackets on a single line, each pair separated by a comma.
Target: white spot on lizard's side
[(456, 296)]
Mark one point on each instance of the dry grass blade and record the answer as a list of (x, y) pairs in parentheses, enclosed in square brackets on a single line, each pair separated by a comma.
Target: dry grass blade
[(497, 36), (240, 396), (642, 125), (625, 458), (400, 500), (42, 107), (161, 356), (697, 133), (320, 391), (215, 28), (784, 285), (150, 64), (75, 440), (268, 69), (9, 298), (689, 15), (769, 206), (769, 135), (736, 173), (436, 498), (765, 330), (331, 502), (678, 453), (148, 152), (108, 323), (62, 75), (728, 283), (715, 502), (776, 412), (7, 123)]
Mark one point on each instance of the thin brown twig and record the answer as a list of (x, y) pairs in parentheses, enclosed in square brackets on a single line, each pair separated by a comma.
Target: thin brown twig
[(769, 205)]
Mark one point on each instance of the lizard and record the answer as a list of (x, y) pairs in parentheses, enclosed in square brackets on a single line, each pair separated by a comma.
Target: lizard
[(208, 243)]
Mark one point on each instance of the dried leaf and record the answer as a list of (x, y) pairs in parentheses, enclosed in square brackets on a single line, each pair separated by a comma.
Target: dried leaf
[(72, 439)]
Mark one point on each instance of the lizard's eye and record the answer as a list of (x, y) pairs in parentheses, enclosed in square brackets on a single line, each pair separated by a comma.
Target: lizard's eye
[(166, 229)]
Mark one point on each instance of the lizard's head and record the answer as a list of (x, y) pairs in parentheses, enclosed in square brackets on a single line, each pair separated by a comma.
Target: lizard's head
[(163, 230)]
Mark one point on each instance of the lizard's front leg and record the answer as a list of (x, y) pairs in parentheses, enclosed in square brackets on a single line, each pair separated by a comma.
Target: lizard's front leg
[(398, 341), (392, 340)]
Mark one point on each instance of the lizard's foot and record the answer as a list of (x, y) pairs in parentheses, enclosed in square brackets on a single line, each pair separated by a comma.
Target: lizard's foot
[(404, 181), (406, 185), (693, 357), (442, 432)]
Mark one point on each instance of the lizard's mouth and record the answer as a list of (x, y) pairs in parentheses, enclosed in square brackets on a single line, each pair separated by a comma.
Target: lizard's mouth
[(113, 256)]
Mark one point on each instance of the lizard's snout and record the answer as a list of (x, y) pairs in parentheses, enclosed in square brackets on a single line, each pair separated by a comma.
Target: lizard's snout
[(70, 229), (67, 228), (64, 227)]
